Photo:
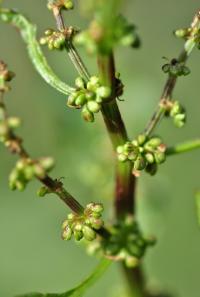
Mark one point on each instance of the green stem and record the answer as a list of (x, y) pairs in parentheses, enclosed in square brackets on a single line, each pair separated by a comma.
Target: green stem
[(71, 50), (125, 181), (183, 147)]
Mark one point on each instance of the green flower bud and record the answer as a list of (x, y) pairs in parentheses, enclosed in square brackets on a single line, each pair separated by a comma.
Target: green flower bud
[(135, 250), (176, 108), (80, 100), (154, 142), (131, 261), (132, 156), (90, 96), (135, 143), (78, 235), (67, 233), (151, 169), (79, 83), (39, 171), (59, 42), (72, 98), (68, 4), (103, 92), (20, 185), (28, 172), (43, 41), (96, 223), (122, 157), (160, 157), (181, 33), (94, 80), (49, 32), (97, 207), (71, 216), (12, 185), (141, 139), (21, 164), (150, 158), (47, 163), (88, 233), (42, 191), (93, 106), (128, 147), (88, 116), (140, 163), (120, 149), (14, 122)]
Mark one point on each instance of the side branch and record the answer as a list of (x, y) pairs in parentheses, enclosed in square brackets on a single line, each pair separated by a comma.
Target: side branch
[(183, 147), (172, 79)]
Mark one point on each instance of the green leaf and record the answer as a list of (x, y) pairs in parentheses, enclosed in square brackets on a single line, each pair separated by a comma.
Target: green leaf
[(28, 34), (80, 289)]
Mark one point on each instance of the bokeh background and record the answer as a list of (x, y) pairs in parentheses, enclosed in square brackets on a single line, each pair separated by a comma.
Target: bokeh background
[(32, 255)]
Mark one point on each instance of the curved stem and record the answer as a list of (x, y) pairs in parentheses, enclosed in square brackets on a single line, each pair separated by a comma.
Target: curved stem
[(28, 33)]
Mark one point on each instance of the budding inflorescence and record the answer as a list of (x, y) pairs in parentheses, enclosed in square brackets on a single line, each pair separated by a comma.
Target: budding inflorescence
[(145, 153), (126, 243), (89, 96), (5, 76), (191, 35), (26, 169), (177, 112), (176, 68), (97, 38), (85, 225), (54, 39), (60, 4)]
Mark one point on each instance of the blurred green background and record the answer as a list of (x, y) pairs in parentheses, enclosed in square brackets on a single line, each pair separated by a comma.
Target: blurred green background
[(32, 255)]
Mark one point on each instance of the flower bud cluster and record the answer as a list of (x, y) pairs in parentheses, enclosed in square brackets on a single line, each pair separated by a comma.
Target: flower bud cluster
[(85, 225), (54, 39), (126, 243), (89, 97), (26, 169), (176, 68), (177, 113), (191, 34), (5, 77), (100, 38), (60, 4), (145, 153), (7, 125)]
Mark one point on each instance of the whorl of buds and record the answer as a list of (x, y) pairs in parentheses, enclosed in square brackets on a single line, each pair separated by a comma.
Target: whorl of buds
[(176, 68), (88, 96), (60, 4), (26, 169), (126, 243), (54, 39), (5, 77), (145, 153), (177, 112), (85, 225), (191, 35)]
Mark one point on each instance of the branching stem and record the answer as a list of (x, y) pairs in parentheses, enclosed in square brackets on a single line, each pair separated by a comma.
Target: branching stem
[(171, 81)]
